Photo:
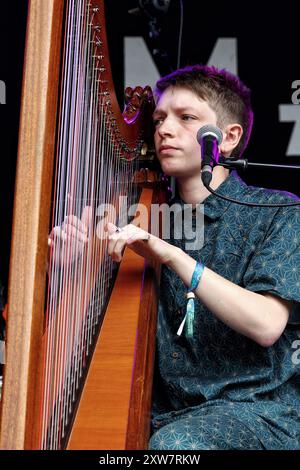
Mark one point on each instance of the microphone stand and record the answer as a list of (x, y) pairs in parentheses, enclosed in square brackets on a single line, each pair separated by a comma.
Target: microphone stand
[(232, 163), (243, 163)]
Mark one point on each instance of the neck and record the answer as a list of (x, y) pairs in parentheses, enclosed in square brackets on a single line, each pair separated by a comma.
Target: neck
[(192, 190)]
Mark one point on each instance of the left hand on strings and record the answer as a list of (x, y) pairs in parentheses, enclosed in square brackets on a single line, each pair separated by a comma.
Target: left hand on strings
[(67, 241)]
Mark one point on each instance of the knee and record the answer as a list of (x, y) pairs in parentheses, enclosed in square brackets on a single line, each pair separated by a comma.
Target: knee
[(175, 436), (157, 440)]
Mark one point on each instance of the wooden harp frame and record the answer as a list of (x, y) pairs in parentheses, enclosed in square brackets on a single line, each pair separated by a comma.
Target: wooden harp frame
[(121, 408)]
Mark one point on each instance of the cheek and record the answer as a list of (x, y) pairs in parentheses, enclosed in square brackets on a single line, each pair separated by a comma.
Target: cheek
[(194, 150), (156, 139)]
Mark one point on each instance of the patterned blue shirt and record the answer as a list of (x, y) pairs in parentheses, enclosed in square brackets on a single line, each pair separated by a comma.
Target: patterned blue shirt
[(257, 249)]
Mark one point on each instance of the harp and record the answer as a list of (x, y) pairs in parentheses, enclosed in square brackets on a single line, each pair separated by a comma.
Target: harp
[(79, 361)]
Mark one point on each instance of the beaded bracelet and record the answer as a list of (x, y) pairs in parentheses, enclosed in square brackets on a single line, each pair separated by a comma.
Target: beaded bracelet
[(190, 306)]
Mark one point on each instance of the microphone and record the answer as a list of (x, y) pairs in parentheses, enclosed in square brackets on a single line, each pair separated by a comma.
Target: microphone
[(209, 138)]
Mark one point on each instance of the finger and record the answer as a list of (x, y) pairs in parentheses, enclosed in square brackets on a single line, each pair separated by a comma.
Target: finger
[(116, 246), (76, 222), (58, 234), (75, 233), (140, 235), (111, 228), (112, 245), (87, 218), (117, 253)]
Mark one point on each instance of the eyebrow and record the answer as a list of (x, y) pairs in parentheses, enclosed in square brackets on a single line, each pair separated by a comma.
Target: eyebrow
[(157, 111), (180, 109)]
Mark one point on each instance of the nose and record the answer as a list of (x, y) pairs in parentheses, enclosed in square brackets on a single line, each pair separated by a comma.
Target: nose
[(166, 128)]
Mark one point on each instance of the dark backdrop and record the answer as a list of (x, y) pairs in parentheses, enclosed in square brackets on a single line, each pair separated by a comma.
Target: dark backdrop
[(268, 62), (12, 38)]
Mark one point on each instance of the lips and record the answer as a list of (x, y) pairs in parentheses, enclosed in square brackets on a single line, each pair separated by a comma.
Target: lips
[(166, 147)]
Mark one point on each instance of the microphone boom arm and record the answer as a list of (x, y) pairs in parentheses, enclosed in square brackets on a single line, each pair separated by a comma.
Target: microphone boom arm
[(242, 163)]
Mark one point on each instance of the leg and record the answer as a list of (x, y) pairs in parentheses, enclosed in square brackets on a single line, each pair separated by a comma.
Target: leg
[(210, 431)]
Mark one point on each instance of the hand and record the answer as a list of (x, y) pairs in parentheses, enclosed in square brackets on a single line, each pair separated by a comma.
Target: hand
[(67, 241), (138, 240)]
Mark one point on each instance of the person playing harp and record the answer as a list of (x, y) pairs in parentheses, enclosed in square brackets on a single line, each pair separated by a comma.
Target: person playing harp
[(226, 375)]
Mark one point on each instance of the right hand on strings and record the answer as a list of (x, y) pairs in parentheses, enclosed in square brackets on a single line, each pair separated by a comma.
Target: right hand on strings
[(140, 241), (67, 241)]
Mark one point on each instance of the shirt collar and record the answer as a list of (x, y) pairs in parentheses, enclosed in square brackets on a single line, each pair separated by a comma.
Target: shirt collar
[(214, 207), (232, 187)]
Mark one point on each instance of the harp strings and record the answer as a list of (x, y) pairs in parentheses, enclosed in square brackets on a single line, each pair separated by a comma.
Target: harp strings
[(89, 172), (54, 399)]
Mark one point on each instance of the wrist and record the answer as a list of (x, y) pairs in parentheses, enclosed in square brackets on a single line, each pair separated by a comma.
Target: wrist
[(174, 257)]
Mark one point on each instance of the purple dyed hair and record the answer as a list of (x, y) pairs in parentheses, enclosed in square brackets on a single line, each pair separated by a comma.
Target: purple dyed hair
[(224, 92)]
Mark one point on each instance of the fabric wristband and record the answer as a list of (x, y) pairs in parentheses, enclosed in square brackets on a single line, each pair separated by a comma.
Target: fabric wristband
[(190, 306)]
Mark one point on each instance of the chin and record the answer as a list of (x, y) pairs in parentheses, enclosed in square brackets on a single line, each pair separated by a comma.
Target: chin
[(171, 170), (179, 172)]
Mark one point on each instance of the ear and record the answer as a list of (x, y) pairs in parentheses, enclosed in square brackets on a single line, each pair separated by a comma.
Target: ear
[(231, 136)]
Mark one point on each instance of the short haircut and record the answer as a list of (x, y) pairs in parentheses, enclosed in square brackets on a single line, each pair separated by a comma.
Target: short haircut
[(224, 92)]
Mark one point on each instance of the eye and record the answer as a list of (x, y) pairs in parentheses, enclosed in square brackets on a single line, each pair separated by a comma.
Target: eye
[(188, 117), (157, 121)]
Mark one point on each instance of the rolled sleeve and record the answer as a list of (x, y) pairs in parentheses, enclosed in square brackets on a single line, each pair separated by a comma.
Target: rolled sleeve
[(275, 265)]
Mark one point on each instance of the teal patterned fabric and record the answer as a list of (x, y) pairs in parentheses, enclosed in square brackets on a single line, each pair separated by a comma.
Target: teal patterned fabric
[(220, 389)]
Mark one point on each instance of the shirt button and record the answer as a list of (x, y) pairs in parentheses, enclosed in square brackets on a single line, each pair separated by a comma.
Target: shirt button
[(157, 424), (175, 354)]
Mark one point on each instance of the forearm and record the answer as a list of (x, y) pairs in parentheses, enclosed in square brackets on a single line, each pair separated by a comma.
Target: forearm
[(248, 313)]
